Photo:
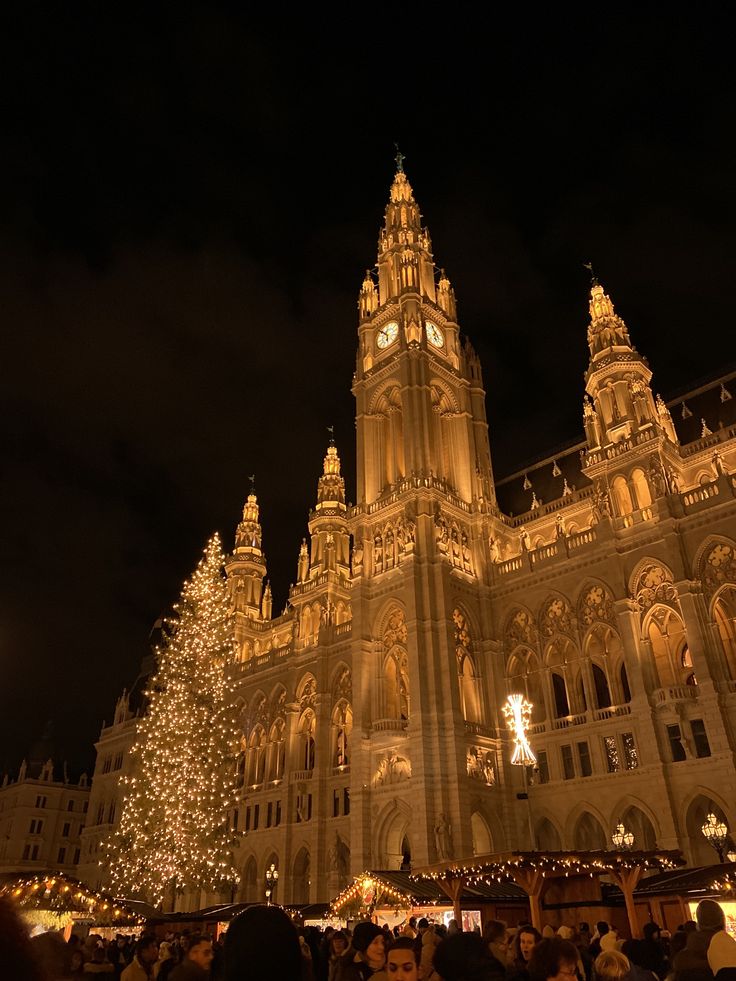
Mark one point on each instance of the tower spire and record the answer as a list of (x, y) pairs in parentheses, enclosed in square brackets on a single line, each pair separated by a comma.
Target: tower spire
[(246, 567)]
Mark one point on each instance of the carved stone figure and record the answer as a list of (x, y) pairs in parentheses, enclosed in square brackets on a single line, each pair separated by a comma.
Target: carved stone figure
[(559, 527), (358, 557), (718, 464), (443, 837), (495, 550), (656, 477), (525, 540), (674, 481), (339, 857)]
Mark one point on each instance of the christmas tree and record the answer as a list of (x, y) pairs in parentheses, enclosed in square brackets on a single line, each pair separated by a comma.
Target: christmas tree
[(174, 831)]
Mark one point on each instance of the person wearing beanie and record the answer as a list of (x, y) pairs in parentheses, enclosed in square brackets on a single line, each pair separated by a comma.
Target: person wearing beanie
[(366, 957), (262, 942)]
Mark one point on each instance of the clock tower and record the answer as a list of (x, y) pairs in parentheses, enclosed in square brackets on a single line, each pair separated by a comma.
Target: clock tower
[(421, 615)]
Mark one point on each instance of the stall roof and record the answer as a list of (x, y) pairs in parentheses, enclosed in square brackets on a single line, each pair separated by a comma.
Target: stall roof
[(690, 882)]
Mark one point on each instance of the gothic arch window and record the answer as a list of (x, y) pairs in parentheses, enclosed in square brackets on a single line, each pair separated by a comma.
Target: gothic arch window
[(547, 836), (641, 493), (471, 700), (301, 879), (520, 629), (389, 454), (342, 727), (562, 662), (395, 668), (481, 835), (307, 744), (277, 744), (622, 496), (250, 881), (666, 633), (525, 674), (559, 694), (588, 834), (724, 613), (604, 649), (256, 757)]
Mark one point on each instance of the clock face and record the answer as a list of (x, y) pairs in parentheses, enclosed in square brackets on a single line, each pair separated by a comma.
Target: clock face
[(434, 334), (387, 334)]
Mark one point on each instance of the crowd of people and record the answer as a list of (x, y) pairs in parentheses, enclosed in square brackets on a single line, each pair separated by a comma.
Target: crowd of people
[(263, 944)]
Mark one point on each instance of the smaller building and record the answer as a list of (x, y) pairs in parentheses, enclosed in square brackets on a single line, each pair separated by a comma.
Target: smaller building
[(42, 818)]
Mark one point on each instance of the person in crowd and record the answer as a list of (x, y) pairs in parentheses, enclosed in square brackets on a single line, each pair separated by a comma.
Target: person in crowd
[(612, 965), (554, 959), (494, 935), (526, 939), (465, 957), (196, 964), (338, 946), (146, 955), (18, 957), (431, 940), (262, 943), (76, 963), (119, 954), (366, 957), (650, 953), (99, 965), (721, 951), (690, 963), (402, 963), (410, 928), (601, 929), (583, 934), (422, 925), (307, 960)]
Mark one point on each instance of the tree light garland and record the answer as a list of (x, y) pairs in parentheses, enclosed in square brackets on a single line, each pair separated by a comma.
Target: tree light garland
[(174, 831)]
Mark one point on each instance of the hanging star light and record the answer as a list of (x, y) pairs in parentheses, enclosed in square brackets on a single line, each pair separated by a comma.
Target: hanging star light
[(518, 713)]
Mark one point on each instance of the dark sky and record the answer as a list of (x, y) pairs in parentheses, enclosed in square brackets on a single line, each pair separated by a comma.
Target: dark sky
[(189, 204)]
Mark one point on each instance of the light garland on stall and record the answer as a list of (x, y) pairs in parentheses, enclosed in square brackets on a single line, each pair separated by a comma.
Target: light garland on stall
[(174, 829), (505, 866), (60, 894), (366, 884)]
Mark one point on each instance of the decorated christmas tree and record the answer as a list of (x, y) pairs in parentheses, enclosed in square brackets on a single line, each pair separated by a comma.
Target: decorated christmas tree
[(174, 831)]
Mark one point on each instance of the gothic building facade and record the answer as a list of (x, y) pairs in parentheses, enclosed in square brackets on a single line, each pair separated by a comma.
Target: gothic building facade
[(601, 584)]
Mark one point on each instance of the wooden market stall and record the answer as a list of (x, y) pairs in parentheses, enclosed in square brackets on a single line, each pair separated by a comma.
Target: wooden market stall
[(534, 872), (55, 901), (392, 896)]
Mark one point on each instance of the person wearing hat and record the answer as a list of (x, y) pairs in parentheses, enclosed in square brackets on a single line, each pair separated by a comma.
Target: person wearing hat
[(366, 957), (721, 951)]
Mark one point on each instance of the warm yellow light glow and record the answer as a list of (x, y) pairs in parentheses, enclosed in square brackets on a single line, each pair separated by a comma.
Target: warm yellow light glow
[(518, 713), (174, 830)]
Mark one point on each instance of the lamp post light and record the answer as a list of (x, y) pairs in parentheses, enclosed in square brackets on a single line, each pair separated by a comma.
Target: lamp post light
[(518, 713), (715, 833), (272, 877), (623, 840)]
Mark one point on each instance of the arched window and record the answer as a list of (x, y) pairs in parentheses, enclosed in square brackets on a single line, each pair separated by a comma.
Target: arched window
[(668, 641), (470, 690), (724, 612), (524, 675), (256, 757), (301, 880), (307, 727), (622, 496), (342, 725), (250, 881), (559, 690), (278, 751), (640, 487), (602, 692)]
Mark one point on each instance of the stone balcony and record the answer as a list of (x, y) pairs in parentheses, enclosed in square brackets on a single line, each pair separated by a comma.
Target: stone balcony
[(673, 694)]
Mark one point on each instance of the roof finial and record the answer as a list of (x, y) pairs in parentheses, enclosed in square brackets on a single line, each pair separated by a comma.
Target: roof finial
[(252, 480), (593, 277), (400, 158), (331, 431)]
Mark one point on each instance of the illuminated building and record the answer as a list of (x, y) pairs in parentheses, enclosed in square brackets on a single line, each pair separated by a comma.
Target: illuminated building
[(601, 584)]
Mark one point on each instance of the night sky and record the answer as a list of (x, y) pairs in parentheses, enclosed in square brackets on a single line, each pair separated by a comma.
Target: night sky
[(189, 204)]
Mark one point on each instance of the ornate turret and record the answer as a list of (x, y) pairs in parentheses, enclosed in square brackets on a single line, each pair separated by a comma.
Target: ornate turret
[(246, 568), (330, 542)]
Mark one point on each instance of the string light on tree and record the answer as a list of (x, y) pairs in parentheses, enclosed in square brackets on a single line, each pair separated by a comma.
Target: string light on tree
[(174, 831)]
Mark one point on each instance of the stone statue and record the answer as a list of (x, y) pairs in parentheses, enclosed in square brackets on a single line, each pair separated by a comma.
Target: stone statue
[(339, 857), (559, 527), (495, 550), (674, 481), (718, 464), (525, 540), (443, 837), (656, 478), (358, 557)]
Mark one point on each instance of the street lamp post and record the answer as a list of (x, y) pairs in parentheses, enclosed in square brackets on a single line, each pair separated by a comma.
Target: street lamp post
[(715, 833), (272, 878), (623, 840), (518, 713)]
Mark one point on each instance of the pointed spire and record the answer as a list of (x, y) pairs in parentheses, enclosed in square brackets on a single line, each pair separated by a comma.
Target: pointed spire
[(248, 534), (606, 330), (331, 486), (368, 298), (405, 260)]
